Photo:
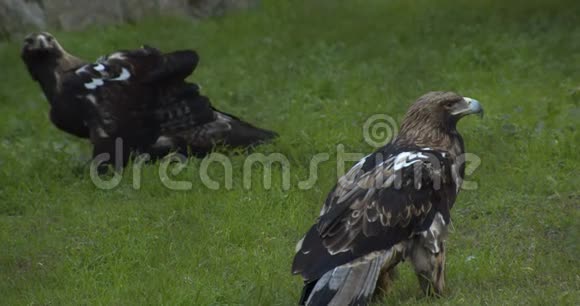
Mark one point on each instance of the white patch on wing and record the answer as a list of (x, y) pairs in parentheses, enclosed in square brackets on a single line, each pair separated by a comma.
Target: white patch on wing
[(405, 159), (125, 75), (99, 67), (117, 55), (94, 84), (400, 160), (421, 155)]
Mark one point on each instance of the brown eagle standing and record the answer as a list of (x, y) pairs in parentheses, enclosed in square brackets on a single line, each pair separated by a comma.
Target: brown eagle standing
[(139, 96), (393, 205)]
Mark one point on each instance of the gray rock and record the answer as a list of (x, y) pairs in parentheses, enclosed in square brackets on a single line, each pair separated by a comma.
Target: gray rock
[(133, 10), (20, 16), (205, 8), (78, 14), (17, 16)]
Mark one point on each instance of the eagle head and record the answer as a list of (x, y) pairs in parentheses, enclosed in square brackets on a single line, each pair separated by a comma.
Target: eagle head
[(443, 107), (43, 55), (432, 120), (41, 45)]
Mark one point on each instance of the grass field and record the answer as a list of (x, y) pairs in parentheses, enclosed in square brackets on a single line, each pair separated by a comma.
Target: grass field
[(314, 71)]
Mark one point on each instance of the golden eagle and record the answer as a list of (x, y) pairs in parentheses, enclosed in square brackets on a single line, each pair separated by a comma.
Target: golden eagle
[(139, 96), (392, 205)]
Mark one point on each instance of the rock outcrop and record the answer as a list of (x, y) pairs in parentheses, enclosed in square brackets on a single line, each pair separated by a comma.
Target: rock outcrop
[(20, 16)]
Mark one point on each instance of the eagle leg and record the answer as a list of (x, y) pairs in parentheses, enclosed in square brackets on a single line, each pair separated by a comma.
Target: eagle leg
[(386, 280), (110, 151), (430, 268)]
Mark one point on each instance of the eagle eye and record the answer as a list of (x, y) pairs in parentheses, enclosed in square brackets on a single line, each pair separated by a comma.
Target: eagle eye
[(448, 104)]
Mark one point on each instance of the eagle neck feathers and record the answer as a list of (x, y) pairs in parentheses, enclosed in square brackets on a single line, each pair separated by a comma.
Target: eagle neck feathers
[(427, 133), (49, 73)]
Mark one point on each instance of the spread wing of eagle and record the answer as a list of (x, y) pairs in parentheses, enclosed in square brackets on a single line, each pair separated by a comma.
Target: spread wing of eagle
[(139, 96), (393, 204)]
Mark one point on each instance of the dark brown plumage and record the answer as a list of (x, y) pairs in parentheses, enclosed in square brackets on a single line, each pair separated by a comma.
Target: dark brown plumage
[(139, 96), (393, 204), (49, 64)]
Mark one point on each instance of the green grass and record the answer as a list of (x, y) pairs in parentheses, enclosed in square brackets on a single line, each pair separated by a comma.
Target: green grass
[(313, 71)]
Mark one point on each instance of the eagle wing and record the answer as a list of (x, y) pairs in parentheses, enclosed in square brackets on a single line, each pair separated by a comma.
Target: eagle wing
[(383, 200), (190, 124), (112, 99), (147, 65), (174, 66), (122, 93), (129, 84), (141, 96)]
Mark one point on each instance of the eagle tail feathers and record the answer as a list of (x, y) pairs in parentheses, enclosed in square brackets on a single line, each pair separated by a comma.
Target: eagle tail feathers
[(184, 113), (243, 134), (350, 284)]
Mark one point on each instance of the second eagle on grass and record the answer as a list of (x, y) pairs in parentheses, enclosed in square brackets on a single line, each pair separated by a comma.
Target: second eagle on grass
[(139, 96), (394, 204)]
